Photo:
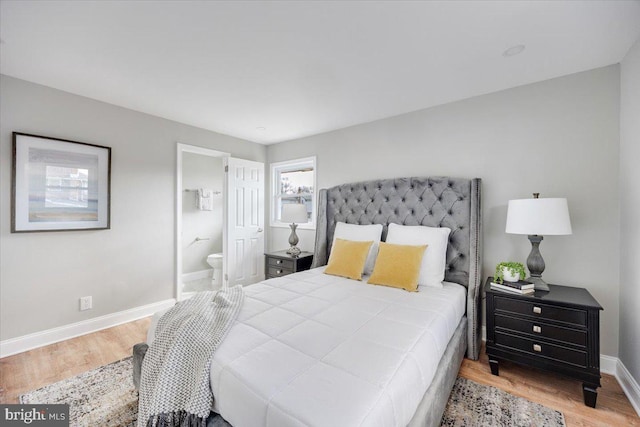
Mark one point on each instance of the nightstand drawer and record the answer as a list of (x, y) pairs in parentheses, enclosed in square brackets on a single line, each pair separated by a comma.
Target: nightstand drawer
[(280, 263), (278, 271), (542, 311), (538, 348), (544, 330)]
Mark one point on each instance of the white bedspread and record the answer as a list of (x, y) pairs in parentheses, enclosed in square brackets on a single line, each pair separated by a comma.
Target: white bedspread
[(320, 350)]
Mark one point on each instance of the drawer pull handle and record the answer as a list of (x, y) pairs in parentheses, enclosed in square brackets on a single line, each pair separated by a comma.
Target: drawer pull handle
[(537, 347), (537, 329), (279, 262), (278, 271), (537, 310)]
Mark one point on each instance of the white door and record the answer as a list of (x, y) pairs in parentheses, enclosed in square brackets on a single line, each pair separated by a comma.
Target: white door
[(245, 221)]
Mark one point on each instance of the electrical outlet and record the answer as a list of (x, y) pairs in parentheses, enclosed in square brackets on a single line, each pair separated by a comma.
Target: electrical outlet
[(86, 303)]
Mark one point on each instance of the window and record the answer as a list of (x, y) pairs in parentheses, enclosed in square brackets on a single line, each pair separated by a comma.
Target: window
[(294, 181)]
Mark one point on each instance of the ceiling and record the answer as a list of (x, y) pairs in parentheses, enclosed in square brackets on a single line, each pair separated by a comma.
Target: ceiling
[(275, 71)]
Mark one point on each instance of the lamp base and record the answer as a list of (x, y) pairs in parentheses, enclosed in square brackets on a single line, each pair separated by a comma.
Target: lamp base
[(539, 284), (535, 264), (294, 251)]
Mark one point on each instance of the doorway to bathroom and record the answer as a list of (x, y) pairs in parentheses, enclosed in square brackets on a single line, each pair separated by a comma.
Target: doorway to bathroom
[(219, 220), (200, 220)]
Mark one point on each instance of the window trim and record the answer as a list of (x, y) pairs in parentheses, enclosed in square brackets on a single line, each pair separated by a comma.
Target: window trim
[(278, 166)]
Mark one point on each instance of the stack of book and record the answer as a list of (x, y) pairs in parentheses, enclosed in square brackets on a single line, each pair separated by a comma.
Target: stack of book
[(519, 287)]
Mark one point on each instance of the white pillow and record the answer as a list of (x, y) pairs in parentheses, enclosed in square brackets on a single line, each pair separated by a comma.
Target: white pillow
[(435, 257), (361, 233)]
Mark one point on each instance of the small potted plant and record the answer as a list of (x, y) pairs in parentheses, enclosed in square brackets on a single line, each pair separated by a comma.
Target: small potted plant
[(509, 271)]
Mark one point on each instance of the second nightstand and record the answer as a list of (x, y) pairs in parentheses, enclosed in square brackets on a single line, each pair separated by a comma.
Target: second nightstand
[(280, 263), (556, 330)]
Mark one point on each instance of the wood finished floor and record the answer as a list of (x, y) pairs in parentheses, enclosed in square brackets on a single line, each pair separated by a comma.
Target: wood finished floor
[(33, 369), (36, 368)]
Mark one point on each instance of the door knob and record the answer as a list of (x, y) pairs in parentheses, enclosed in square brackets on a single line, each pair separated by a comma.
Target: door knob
[(260, 230)]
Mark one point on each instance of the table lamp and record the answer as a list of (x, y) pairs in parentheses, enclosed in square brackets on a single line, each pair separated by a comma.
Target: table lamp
[(294, 213), (536, 217)]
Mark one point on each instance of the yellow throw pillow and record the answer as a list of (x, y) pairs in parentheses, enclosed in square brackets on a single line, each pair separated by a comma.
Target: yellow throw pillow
[(398, 266), (347, 258)]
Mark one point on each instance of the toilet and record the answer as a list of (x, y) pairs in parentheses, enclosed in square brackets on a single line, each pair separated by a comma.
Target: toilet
[(215, 261)]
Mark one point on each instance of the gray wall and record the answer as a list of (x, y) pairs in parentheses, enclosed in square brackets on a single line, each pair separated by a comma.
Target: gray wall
[(630, 212), (42, 275), (559, 137), (200, 171)]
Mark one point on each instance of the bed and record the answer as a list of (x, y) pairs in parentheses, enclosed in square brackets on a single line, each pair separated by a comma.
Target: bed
[(317, 349)]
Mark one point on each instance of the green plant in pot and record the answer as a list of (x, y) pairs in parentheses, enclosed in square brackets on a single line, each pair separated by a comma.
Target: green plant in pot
[(509, 271)]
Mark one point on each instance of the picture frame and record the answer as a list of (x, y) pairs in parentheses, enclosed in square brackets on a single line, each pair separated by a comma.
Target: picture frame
[(59, 185)]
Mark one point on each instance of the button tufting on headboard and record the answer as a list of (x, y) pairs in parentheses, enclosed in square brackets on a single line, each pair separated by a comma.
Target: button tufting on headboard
[(430, 201)]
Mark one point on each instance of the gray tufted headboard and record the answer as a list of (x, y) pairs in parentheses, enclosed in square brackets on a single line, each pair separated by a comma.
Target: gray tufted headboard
[(431, 201)]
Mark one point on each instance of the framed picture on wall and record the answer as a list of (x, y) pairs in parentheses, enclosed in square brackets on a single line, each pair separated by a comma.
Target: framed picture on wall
[(59, 185)]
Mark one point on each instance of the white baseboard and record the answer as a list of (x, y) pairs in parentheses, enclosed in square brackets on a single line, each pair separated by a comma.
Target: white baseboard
[(629, 385), (608, 364), (61, 333), (197, 275)]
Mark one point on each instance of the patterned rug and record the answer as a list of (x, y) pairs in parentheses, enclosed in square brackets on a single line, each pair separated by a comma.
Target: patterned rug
[(101, 397), (105, 397), (473, 404)]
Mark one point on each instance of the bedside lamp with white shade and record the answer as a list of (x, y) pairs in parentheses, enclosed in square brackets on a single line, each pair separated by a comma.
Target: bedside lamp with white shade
[(294, 213), (537, 217)]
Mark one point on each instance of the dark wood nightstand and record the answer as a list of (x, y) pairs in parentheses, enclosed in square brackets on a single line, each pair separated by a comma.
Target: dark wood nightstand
[(280, 263), (558, 331)]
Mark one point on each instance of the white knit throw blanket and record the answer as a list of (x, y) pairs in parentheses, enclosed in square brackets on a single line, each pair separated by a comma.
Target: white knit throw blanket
[(174, 384)]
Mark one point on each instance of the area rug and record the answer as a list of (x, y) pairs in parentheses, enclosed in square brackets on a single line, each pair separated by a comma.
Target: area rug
[(101, 397), (473, 404), (106, 397)]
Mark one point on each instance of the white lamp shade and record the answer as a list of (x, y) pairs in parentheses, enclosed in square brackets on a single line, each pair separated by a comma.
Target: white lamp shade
[(543, 217), (294, 213)]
